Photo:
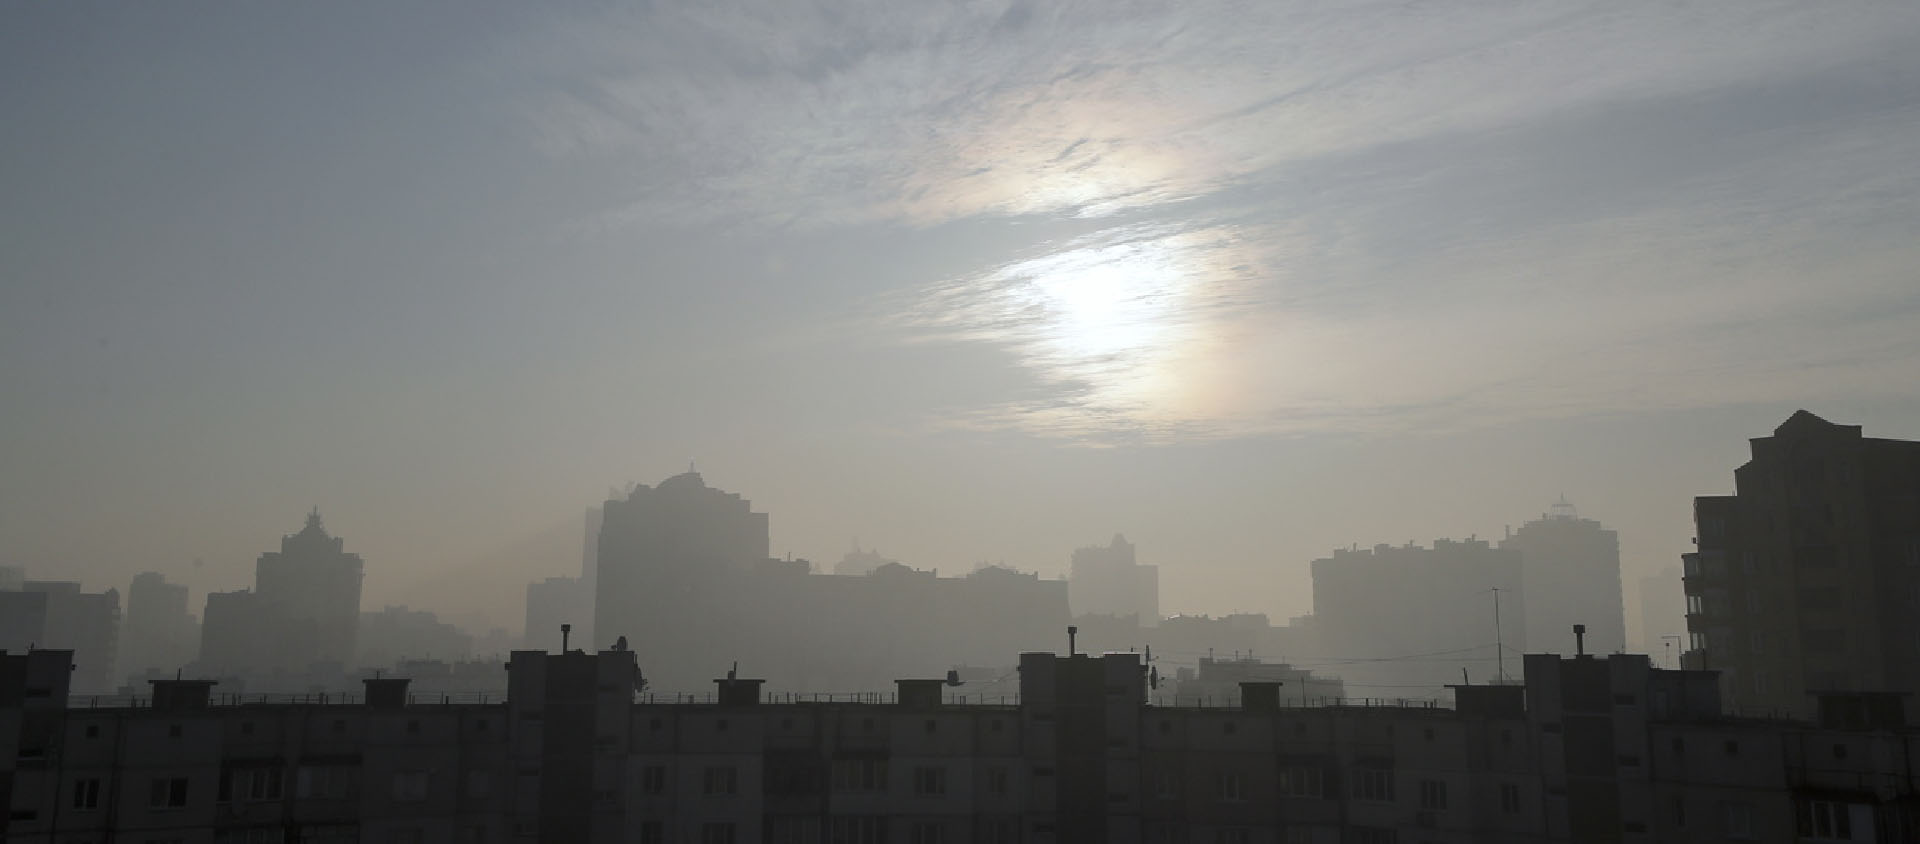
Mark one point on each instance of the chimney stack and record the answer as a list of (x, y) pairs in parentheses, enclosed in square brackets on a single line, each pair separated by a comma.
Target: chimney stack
[(1072, 634), (1580, 640)]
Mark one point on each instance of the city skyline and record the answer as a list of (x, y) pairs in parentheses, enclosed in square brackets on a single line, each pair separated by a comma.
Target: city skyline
[(1340, 274)]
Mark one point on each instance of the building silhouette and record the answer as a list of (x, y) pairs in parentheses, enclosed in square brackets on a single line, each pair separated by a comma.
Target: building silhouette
[(1589, 750), (553, 602), (1807, 579), (159, 635), (395, 633), (1570, 573), (1108, 580), (58, 614), (1410, 615), (301, 617), (684, 574)]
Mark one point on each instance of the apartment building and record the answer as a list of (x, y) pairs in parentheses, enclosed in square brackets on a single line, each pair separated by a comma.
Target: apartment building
[(1590, 750)]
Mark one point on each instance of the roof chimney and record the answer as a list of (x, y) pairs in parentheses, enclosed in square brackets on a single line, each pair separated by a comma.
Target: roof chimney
[(386, 692), (1580, 640), (179, 695), (918, 694), (1073, 633)]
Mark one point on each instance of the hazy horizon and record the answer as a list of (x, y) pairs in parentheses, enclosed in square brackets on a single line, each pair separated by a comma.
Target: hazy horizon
[(964, 283)]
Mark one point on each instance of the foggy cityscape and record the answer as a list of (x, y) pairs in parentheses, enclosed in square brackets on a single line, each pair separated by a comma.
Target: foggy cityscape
[(985, 422)]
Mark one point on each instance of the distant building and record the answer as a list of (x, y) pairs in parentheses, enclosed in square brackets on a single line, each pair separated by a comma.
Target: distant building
[(301, 618), (1570, 573), (857, 562), (1108, 580), (87, 623), (1807, 579), (1218, 682), (160, 634), (684, 574), (396, 633), (1411, 616), (12, 578), (1663, 616), (553, 602)]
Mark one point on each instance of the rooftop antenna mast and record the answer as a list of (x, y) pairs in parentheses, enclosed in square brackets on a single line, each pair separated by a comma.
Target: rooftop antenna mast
[(1499, 646)]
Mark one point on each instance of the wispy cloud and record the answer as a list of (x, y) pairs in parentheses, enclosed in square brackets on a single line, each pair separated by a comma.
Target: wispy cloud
[(1319, 215)]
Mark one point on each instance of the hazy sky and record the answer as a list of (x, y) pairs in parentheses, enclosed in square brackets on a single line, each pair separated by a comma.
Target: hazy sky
[(966, 281)]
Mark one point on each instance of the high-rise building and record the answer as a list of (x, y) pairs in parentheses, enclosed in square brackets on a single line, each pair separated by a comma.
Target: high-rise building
[(1570, 573), (1807, 578), (159, 634), (670, 557), (87, 623), (553, 602), (1109, 580), (1410, 618), (303, 612), (396, 633)]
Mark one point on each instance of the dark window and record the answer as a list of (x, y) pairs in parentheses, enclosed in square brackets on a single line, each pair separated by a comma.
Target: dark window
[(1839, 751), (174, 730), (1302, 782), (1166, 727), (996, 725), (1732, 748), (339, 725), (996, 780), (413, 728), (1373, 784), (1231, 727), (654, 725), (167, 793), (1433, 795), (653, 779), (1510, 798), (932, 725), (717, 833), (86, 794), (721, 725), (929, 781), (720, 781), (653, 832), (246, 728), (93, 731)]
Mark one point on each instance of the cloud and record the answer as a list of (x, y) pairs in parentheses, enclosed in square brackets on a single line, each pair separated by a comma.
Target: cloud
[(1315, 216)]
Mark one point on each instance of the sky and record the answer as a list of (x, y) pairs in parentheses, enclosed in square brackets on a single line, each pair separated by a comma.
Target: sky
[(962, 281)]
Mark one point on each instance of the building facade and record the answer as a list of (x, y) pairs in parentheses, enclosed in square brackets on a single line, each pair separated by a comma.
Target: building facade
[(1589, 750), (1570, 572), (1807, 578), (1413, 616), (1109, 580), (159, 635)]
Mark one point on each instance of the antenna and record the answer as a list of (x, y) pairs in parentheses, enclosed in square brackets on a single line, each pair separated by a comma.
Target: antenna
[(1499, 645)]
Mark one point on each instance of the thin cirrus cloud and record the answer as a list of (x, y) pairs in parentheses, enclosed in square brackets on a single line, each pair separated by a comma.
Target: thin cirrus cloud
[(1311, 215)]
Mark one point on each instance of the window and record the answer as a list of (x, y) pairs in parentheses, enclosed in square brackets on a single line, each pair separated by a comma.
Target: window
[(857, 830), (1233, 788), (927, 832), (250, 835), (1233, 835), (1825, 819), (793, 830), (998, 831), (1739, 819), (1510, 798), (1165, 786), (175, 731), (93, 731), (167, 793), (1373, 784), (251, 785), (1732, 748), (1433, 795), (1373, 835), (653, 832), (1695, 605), (862, 775), (1302, 782), (997, 780), (929, 781), (719, 781), (326, 782), (1757, 642), (479, 784), (413, 835), (653, 779), (411, 786), (86, 795), (1679, 811), (717, 833)]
